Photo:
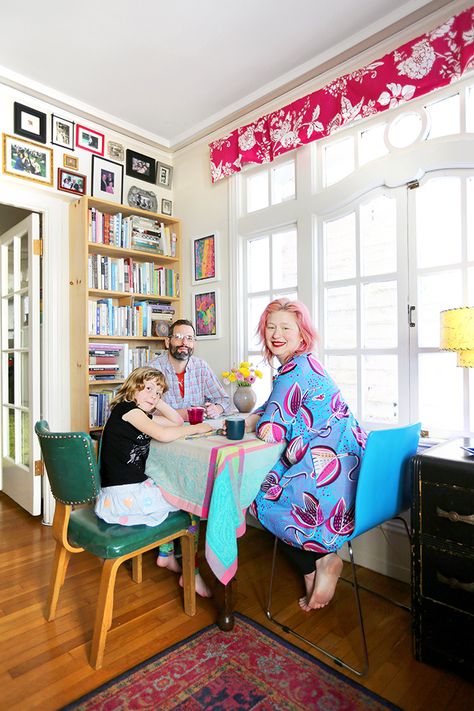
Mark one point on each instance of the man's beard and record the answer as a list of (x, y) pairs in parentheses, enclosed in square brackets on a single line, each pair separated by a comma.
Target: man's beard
[(175, 352)]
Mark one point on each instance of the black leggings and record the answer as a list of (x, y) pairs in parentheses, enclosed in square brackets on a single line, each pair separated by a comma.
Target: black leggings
[(304, 561)]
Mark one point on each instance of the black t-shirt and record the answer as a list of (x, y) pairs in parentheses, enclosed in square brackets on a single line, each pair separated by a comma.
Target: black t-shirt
[(124, 449)]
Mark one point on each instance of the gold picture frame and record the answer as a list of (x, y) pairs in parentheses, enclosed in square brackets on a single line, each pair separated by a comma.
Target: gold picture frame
[(70, 162), (27, 160)]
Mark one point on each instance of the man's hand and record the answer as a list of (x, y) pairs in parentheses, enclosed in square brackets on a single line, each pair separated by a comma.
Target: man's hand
[(213, 411)]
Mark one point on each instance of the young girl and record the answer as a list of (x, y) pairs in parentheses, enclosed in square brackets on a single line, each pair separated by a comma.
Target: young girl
[(127, 495)]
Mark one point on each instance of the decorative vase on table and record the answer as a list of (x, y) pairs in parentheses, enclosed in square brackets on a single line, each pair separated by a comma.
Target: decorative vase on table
[(244, 398)]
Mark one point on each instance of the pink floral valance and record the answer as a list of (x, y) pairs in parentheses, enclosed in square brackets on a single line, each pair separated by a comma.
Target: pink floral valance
[(428, 62)]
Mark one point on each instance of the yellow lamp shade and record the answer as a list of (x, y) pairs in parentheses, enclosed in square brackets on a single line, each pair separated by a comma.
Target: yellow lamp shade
[(457, 334)]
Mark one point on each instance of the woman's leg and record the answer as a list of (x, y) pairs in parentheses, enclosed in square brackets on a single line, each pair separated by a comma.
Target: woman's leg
[(320, 571)]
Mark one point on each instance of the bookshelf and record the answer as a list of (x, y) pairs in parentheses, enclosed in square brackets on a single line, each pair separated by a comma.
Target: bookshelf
[(124, 267)]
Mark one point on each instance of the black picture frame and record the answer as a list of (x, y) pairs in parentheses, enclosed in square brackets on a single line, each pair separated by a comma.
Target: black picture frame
[(29, 122), (107, 179), (140, 166), (62, 132)]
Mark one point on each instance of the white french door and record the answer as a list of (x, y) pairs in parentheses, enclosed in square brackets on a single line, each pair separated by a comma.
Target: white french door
[(20, 362)]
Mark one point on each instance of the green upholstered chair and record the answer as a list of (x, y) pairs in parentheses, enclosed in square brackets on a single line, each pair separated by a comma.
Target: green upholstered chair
[(73, 473)]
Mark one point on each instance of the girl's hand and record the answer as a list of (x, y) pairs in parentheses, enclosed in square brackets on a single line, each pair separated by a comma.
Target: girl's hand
[(201, 428)]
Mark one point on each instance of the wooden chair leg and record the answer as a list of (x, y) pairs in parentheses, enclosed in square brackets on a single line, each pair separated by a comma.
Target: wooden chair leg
[(189, 577), (58, 575), (137, 569), (103, 615)]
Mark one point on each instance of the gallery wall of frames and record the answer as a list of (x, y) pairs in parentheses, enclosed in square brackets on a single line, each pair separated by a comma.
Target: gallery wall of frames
[(60, 151)]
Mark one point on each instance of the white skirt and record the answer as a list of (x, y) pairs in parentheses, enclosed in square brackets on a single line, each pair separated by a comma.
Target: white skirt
[(133, 504)]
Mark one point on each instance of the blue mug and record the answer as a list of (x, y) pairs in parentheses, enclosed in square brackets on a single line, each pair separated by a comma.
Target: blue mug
[(235, 427)]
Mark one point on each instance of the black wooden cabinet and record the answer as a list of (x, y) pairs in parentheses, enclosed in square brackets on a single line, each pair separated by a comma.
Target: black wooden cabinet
[(443, 557)]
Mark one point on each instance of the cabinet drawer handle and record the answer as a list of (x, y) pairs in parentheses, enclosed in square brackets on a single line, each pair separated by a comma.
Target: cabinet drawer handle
[(455, 584), (454, 516)]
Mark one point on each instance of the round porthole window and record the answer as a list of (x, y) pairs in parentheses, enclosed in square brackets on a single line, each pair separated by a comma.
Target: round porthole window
[(406, 129)]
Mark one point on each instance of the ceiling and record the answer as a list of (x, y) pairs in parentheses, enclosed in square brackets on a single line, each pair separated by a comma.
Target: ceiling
[(171, 71)]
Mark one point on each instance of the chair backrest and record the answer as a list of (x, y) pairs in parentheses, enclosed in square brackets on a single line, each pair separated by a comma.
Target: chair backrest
[(71, 464), (383, 489)]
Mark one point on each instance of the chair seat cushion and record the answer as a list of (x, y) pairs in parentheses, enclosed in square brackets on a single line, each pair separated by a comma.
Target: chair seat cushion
[(111, 540)]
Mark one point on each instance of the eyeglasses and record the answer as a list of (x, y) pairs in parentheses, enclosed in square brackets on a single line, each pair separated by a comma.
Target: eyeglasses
[(181, 337)]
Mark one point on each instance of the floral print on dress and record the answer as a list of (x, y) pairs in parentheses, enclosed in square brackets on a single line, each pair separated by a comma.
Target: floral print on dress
[(307, 499)]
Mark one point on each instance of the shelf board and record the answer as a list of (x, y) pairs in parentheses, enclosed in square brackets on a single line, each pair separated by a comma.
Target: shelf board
[(121, 251), (98, 337), (109, 294)]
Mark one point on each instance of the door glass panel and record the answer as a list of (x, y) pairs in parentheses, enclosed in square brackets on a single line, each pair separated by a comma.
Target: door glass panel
[(438, 222), (258, 264), (440, 391), (25, 438), (24, 262), (256, 305), (338, 160), (257, 191), (25, 400), (11, 378), (340, 248), (341, 317), (380, 388), (445, 117), (283, 182), (24, 321), (379, 315), (378, 235), (11, 434), (372, 144), (284, 259), (11, 323), (344, 371), (436, 293), (10, 267)]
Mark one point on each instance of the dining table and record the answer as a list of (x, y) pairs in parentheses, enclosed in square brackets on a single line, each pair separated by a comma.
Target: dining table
[(216, 479)]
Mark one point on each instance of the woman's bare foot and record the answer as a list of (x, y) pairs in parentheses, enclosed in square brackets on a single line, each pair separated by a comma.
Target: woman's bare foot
[(168, 561), (201, 588), (325, 577)]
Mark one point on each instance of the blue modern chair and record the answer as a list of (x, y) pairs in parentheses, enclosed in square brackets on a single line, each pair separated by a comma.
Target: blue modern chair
[(384, 491)]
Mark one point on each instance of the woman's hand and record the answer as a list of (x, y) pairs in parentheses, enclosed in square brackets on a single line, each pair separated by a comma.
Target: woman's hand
[(251, 422)]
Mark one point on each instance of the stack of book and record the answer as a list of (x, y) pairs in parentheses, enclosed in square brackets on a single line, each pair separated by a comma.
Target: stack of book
[(107, 361)]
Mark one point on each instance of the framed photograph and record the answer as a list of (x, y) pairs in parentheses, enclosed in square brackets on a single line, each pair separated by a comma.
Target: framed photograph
[(166, 207), (27, 160), (115, 150), (29, 123), (140, 166), (107, 179), (89, 140), (71, 182), (205, 310), (70, 162), (143, 199), (204, 259), (62, 132), (164, 175)]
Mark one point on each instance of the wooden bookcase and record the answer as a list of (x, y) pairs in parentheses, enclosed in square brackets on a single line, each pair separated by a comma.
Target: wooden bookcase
[(80, 249)]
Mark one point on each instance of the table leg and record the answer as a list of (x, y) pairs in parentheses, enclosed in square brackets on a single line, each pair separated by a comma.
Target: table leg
[(225, 616)]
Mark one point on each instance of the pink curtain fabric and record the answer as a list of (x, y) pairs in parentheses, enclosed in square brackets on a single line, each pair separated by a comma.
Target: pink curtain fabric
[(428, 62)]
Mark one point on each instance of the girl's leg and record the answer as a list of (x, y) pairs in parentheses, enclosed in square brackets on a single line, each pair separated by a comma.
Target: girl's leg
[(201, 588), (166, 557)]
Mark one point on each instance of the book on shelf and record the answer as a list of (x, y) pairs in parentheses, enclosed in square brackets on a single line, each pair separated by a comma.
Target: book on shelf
[(136, 232), (116, 367)]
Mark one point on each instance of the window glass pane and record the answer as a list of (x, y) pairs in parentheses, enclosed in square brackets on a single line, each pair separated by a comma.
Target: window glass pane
[(25, 401), (11, 323), (445, 117), (258, 264), (404, 130), (25, 438), (436, 292), (470, 290), (344, 371), (24, 262), (24, 321), (372, 144), (340, 248), (11, 378), (283, 182), (470, 218), (438, 222), (338, 160), (470, 109), (378, 236), (284, 259), (471, 398), (256, 305), (262, 386), (257, 191), (379, 315), (380, 388), (440, 392), (10, 267), (340, 317), (10, 448)]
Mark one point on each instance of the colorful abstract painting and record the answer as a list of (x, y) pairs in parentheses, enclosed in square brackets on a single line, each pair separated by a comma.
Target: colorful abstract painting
[(204, 259), (205, 314)]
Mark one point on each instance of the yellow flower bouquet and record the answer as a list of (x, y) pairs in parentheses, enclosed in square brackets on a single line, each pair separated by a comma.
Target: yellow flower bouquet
[(245, 375)]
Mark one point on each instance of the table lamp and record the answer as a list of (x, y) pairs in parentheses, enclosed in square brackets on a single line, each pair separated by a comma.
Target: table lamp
[(457, 334)]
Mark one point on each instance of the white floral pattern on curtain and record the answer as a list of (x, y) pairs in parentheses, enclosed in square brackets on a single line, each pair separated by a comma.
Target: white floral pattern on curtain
[(428, 62)]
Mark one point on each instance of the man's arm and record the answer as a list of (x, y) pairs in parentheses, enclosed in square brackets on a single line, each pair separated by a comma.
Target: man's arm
[(216, 398)]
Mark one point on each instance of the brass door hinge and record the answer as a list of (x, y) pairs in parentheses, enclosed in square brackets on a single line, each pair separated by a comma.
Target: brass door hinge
[(38, 247), (39, 467), (413, 184)]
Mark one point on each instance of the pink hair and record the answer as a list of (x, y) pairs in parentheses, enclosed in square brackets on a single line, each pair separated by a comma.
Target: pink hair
[(308, 332)]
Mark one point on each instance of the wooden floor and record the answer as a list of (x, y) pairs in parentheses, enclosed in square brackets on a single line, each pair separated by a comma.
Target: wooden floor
[(43, 665)]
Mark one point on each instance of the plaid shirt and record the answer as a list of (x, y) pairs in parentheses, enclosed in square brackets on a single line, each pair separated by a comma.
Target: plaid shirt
[(200, 384)]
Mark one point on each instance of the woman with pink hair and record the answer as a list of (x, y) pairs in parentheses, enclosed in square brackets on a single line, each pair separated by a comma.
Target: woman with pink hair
[(307, 499)]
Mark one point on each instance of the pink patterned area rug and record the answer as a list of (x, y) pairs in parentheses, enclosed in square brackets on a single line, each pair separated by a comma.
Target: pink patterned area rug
[(247, 669)]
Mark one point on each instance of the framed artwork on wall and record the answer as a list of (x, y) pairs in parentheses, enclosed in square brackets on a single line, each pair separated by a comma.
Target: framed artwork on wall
[(27, 160), (140, 166), (205, 310), (70, 162), (62, 132), (71, 182), (166, 206), (29, 123), (204, 258), (89, 140), (107, 179), (164, 175)]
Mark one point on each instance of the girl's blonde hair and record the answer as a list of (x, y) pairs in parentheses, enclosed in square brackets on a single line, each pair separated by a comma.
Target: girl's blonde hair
[(136, 381)]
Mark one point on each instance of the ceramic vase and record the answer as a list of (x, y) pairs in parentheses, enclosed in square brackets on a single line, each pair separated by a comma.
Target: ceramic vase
[(244, 398)]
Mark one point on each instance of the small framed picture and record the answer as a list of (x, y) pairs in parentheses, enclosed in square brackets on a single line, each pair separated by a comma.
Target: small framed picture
[(166, 207), (164, 175), (204, 258), (62, 132), (140, 166), (205, 310), (115, 150), (89, 140), (29, 123), (70, 162), (107, 179), (71, 182), (27, 160)]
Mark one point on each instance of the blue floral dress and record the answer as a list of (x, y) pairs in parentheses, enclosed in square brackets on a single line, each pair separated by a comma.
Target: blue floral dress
[(307, 499)]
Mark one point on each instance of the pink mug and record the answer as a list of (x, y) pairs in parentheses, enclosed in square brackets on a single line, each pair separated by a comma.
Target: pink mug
[(195, 414)]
